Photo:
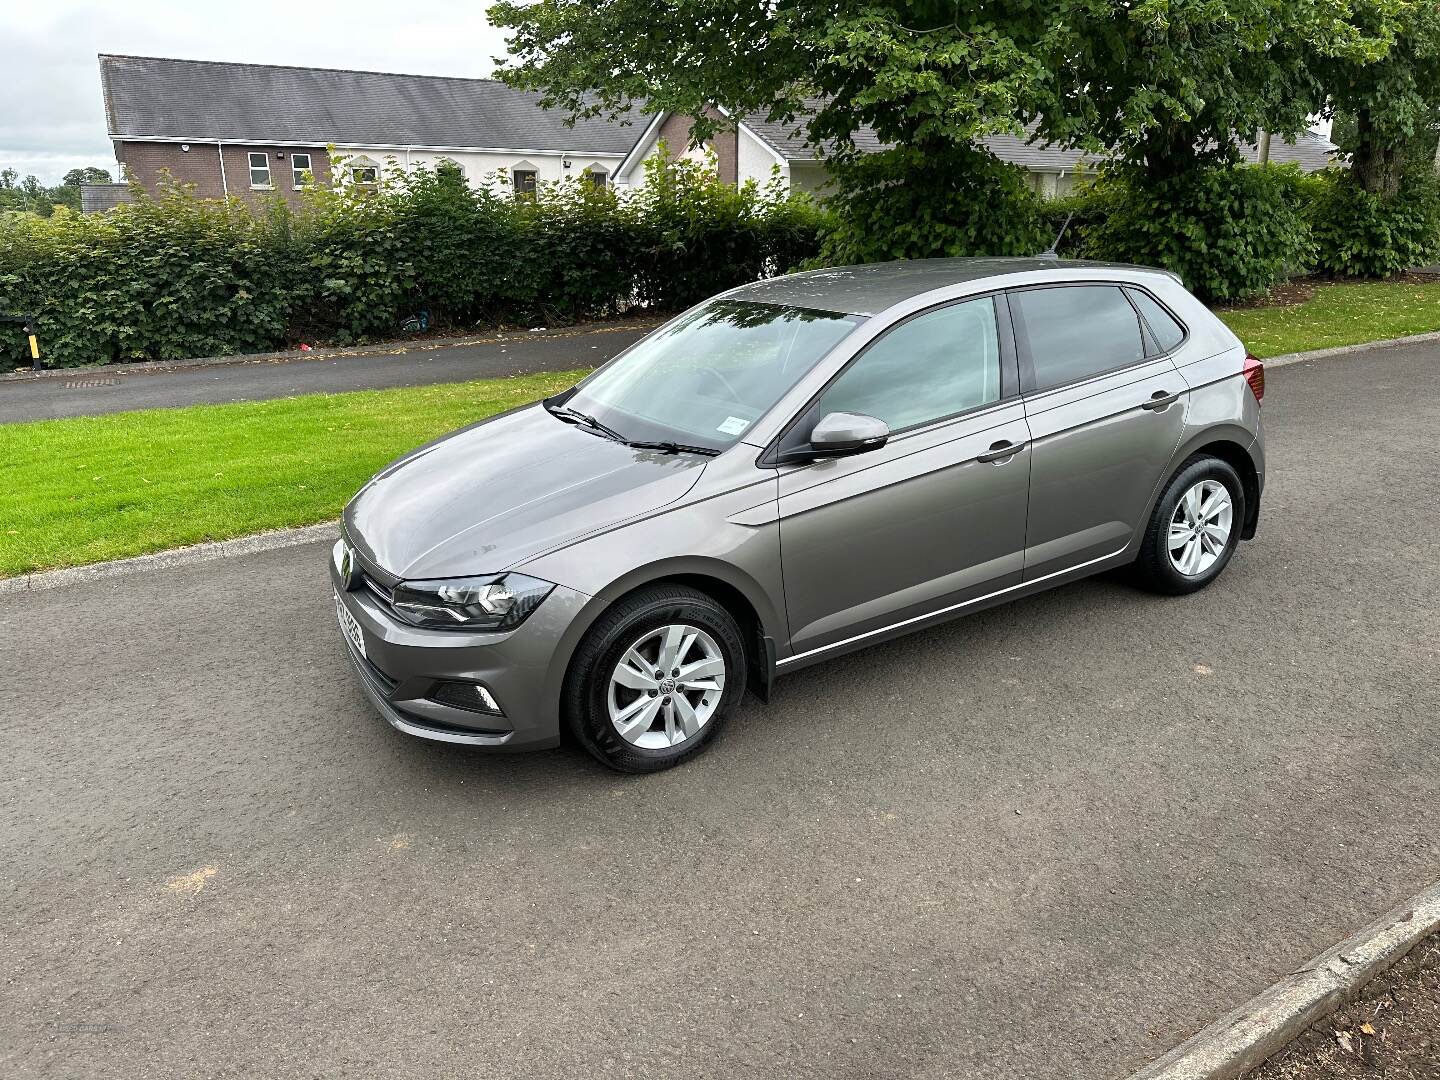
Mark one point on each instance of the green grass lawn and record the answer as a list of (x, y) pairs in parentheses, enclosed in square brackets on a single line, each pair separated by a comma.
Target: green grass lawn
[(1344, 313), (83, 490)]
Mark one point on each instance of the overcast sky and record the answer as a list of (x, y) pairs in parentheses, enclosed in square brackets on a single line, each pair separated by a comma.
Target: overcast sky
[(51, 115)]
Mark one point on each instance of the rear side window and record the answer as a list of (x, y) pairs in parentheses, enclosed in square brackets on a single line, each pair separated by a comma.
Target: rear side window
[(1078, 331), (1167, 332), (935, 365)]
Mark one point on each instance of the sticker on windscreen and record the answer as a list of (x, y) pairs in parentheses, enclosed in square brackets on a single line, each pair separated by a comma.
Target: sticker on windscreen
[(733, 425)]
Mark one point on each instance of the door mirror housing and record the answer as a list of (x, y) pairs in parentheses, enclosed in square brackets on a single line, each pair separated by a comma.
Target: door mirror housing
[(840, 433)]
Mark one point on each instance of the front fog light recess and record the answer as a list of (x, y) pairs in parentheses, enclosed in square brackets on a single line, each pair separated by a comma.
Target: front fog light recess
[(491, 602), (472, 697)]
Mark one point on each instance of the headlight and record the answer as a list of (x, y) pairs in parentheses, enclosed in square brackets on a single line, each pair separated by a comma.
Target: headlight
[(493, 602)]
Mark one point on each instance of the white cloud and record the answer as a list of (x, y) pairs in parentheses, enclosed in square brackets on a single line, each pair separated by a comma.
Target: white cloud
[(52, 118)]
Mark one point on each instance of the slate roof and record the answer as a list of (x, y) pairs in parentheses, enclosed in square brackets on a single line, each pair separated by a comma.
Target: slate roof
[(97, 197), (1310, 150), (261, 103)]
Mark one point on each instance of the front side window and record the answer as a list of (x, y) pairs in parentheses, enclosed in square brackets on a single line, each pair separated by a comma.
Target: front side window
[(704, 379), (1078, 331), (524, 181), (259, 169), (300, 170), (933, 366)]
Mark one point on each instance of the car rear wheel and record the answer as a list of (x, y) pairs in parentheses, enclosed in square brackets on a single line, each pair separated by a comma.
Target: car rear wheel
[(1194, 529), (655, 679)]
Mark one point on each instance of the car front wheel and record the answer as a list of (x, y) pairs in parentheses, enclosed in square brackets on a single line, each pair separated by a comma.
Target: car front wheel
[(1194, 529), (655, 679)]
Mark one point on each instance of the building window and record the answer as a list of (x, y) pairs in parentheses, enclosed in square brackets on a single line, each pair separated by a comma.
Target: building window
[(451, 166), (524, 181), (365, 174), (260, 169), (301, 168), (595, 176)]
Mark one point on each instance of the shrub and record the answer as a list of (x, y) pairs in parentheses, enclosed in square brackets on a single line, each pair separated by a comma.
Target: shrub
[(1362, 234), (174, 276), (1230, 231), (887, 207)]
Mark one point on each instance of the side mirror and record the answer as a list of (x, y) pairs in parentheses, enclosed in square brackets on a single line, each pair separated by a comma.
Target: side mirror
[(840, 433)]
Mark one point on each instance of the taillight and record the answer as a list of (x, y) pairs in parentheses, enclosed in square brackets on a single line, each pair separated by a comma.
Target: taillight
[(1254, 372)]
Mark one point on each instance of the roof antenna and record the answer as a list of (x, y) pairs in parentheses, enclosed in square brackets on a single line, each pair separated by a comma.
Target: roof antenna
[(1051, 252)]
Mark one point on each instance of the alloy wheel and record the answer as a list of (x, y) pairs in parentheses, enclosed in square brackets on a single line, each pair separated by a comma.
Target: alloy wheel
[(1200, 527), (666, 687)]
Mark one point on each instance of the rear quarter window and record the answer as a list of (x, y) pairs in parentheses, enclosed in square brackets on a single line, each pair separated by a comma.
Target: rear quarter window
[(1075, 332), (1166, 331)]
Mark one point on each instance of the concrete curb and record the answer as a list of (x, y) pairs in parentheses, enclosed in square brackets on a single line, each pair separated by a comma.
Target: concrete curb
[(176, 557), (1346, 350), (1243, 1039), (390, 348)]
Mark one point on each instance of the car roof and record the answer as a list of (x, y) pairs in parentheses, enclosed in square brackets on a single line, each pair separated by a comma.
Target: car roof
[(873, 287)]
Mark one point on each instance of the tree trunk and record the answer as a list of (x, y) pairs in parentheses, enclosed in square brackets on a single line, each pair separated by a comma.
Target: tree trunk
[(1377, 167)]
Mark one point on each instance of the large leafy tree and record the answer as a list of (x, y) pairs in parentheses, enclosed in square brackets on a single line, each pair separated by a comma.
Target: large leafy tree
[(1387, 110), (1158, 81)]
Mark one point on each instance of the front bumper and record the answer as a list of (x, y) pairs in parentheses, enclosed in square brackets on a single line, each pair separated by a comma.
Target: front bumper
[(404, 666)]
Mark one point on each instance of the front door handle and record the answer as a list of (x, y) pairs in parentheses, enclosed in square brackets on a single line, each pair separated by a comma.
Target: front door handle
[(1001, 451), (1160, 399)]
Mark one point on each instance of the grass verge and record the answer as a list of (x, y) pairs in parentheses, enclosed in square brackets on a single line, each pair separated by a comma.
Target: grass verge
[(1339, 313), (85, 490)]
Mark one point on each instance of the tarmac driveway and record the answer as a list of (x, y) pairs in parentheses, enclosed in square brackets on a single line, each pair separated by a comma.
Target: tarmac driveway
[(1049, 841)]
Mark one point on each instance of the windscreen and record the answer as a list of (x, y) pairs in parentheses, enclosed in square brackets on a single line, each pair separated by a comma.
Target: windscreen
[(705, 378)]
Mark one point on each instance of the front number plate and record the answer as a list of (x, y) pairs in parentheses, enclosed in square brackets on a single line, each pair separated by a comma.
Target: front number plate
[(350, 626)]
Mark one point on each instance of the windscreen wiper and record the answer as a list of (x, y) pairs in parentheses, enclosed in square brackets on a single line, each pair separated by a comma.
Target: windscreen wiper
[(585, 420), (675, 448)]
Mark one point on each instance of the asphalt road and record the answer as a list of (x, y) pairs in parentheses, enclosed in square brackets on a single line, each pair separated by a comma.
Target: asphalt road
[(1046, 842), (92, 392)]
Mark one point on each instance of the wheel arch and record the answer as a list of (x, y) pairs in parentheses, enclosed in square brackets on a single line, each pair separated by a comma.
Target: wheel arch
[(732, 588), (1234, 454)]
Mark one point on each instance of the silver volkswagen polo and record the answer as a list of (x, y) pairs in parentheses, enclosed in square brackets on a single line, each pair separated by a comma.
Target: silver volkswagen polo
[(790, 471)]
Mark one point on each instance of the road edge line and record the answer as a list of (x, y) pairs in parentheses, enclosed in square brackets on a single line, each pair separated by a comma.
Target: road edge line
[(273, 540), (1245, 1038)]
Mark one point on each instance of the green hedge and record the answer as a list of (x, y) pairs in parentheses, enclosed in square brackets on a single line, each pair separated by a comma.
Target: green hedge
[(1230, 232), (1361, 234), (177, 277), (1234, 232)]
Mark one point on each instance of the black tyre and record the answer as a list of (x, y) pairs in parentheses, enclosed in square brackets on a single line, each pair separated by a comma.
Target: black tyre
[(655, 679), (1194, 529)]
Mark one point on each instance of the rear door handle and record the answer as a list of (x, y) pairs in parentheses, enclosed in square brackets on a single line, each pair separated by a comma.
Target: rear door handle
[(1159, 400), (1000, 451)]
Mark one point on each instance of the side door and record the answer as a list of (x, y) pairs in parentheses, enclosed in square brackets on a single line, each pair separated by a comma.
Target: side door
[(923, 523), (1106, 410)]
